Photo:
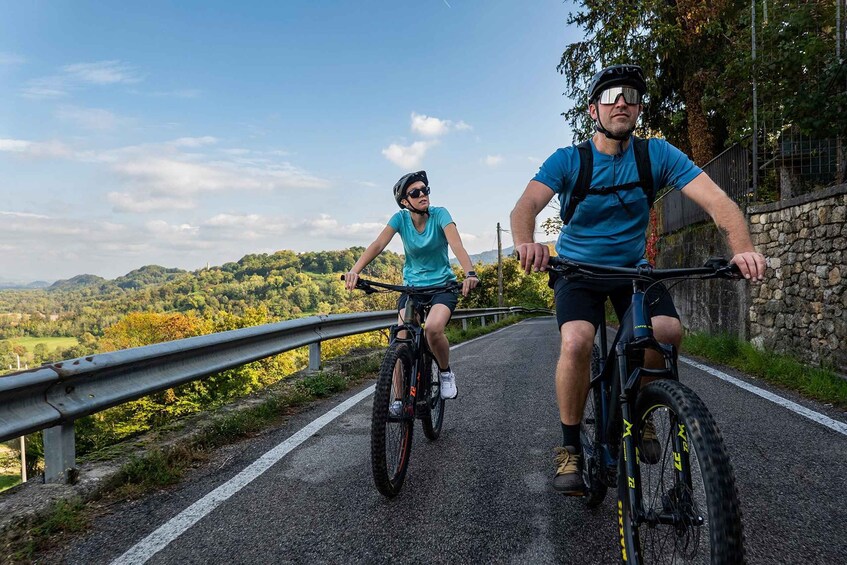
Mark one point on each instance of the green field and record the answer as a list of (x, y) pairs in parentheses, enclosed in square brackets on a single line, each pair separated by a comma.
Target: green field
[(8, 481), (51, 342)]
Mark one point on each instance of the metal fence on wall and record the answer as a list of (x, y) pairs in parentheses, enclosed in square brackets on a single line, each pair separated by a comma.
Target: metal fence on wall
[(789, 164), (730, 170)]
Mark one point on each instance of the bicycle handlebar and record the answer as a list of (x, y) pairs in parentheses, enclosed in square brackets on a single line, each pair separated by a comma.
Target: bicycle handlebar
[(369, 287), (715, 268)]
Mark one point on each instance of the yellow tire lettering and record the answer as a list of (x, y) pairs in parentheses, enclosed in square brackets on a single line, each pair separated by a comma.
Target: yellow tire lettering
[(620, 529)]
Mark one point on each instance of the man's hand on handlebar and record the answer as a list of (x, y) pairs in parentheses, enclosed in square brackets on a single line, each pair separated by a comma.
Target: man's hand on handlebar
[(751, 264), (532, 256)]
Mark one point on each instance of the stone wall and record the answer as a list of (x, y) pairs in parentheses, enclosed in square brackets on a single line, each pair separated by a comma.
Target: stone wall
[(712, 306), (802, 308)]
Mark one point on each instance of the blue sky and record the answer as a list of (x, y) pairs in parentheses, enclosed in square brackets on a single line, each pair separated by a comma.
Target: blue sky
[(188, 133)]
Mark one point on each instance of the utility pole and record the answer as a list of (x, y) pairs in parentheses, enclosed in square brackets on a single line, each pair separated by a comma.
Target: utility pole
[(499, 269), (23, 439)]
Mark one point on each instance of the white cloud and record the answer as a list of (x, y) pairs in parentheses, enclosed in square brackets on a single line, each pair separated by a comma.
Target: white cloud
[(77, 75), (431, 126), (24, 215), (102, 72), (194, 141), (45, 149), (141, 203), (88, 118), (407, 156), (493, 160)]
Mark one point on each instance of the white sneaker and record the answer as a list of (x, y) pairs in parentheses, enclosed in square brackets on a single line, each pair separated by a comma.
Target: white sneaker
[(448, 386), (396, 408)]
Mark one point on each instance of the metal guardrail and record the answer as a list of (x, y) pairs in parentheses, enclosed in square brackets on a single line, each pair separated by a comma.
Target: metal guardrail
[(53, 396)]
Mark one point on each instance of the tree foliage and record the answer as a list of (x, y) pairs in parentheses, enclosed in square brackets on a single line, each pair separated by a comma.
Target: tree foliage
[(698, 60)]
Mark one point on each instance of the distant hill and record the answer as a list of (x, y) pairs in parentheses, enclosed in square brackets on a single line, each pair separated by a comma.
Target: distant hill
[(490, 257), (149, 274), (21, 284), (78, 281)]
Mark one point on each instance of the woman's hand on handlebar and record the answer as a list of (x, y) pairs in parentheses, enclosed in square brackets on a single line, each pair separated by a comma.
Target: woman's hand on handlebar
[(532, 256), (469, 284), (350, 279), (751, 264)]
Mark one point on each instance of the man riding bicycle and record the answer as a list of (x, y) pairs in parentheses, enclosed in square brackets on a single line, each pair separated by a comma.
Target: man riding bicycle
[(606, 187)]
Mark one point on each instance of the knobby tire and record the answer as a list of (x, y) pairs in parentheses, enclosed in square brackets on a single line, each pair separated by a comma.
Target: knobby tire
[(680, 416), (391, 437), (434, 414), (589, 432)]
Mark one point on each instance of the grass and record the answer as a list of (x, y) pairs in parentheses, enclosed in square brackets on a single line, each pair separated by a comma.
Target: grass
[(51, 342), (8, 481), (166, 466), (819, 383), (22, 543)]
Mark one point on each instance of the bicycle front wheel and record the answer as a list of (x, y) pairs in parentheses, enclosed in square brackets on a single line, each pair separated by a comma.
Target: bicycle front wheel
[(391, 428), (691, 512), (434, 414), (589, 437)]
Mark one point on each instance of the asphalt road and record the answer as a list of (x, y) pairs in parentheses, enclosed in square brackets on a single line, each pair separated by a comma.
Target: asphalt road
[(481, 493)]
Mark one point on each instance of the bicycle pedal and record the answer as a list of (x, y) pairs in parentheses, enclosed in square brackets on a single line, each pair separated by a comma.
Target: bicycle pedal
[(421, 409)]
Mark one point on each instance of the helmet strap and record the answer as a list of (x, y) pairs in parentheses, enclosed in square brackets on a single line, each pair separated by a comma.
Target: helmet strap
[(416, 211)]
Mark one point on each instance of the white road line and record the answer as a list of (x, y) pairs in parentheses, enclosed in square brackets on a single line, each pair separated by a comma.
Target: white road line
[(172, 529), (826, 421), (176, 526)]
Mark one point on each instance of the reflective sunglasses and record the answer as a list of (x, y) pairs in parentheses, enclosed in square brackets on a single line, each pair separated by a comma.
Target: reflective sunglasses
[(416, 193), (610, 95)]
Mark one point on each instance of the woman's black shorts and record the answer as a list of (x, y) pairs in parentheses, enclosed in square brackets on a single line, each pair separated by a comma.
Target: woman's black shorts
[(449, 299)]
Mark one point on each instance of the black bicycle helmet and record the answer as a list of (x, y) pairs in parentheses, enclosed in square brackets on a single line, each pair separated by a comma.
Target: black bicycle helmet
[(617, 75), (404, 182)]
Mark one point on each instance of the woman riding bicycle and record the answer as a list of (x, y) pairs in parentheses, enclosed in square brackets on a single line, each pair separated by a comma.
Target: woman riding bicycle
[(426, 232)]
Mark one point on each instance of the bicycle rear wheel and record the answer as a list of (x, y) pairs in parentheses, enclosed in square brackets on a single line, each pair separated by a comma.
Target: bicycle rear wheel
[(690, 501), (391, 434), (434, 416), (588, 436)]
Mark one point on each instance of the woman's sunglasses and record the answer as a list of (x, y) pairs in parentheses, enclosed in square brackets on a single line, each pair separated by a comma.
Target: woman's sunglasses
[(416, 193)]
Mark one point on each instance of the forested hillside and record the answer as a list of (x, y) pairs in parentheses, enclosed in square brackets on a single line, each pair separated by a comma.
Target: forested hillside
[(256, 289)]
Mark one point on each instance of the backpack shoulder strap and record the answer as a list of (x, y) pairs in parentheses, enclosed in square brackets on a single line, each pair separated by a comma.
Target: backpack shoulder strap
[(583, 181), (645, 172)]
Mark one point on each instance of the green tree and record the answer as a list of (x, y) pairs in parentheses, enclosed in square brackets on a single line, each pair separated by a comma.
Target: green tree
[(697, 57)]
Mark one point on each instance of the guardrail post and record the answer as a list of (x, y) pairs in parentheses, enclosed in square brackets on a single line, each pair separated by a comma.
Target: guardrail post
[(464, 324), (482, 321), (315, 356), (59, 453), (496, 318)]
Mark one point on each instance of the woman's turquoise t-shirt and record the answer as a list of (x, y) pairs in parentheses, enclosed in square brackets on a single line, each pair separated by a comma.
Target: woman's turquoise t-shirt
[(427, 263)]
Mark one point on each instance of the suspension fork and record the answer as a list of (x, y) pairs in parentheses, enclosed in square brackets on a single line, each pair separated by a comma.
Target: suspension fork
[(629, 449)]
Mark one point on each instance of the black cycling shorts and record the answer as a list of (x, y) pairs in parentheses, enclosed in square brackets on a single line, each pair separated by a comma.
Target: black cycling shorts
[(586, 299), (449, 299)]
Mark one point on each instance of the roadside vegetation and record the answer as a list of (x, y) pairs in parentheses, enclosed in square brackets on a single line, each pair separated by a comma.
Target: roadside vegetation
[(819, 383)]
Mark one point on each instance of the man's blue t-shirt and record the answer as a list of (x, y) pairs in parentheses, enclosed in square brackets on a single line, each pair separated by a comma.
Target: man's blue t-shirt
[(427, 263), (609, 229)]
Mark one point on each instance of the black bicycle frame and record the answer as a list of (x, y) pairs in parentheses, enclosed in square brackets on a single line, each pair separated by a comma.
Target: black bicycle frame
[(414, 318), (618, 390)]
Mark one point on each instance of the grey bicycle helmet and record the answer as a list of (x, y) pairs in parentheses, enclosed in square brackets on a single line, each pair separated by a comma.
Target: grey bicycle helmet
[(617, 75), (404, 182)]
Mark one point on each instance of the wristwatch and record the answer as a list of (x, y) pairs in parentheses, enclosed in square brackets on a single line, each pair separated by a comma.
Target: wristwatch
[(471, 274)]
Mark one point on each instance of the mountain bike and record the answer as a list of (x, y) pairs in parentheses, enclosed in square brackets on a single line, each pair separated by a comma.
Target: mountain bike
[(408, 387), (679, 505)]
